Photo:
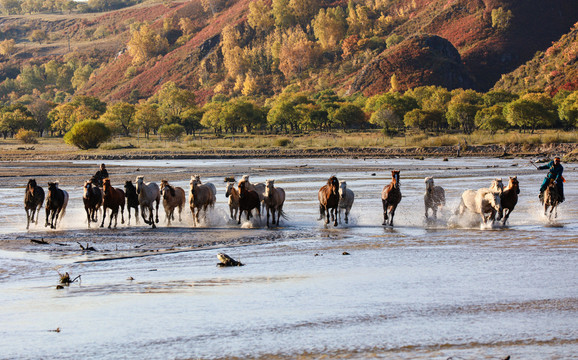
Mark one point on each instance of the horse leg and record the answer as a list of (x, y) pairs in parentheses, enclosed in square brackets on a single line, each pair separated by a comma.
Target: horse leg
[(240, 215), (88, 219), (157, 218), (103, 216), (268, 211), (47, 216), (321, 212), (335, 216), (27, 219), (273, 210), (122, 214), (347, 215), (385, 219), (151, 217)]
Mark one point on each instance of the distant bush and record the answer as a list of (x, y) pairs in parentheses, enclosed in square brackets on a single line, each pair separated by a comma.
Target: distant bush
[(87, 134), (282, 142), (393, 40), (27, 136), (172, 131)]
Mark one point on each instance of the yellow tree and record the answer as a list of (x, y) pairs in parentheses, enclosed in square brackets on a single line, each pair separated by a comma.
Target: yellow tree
[(297, 53), (7, 47), (260, 16), (232, 53), (330, 27), (304, 10), (145, 43)]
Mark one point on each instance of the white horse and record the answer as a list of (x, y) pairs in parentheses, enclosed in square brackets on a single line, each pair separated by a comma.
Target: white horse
[(259, 188), (484, 202), (497, 185), (274, 199), (148, 194), (434, 197), (346, 197)]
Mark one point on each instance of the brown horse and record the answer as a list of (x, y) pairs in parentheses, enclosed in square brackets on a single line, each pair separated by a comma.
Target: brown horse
[(173, 197), (248, 200), (390, 197), (131, 199), (55, 204), (33, 199), (274, 199), (233, 196), (92, 199), (328, 197), (113, 200), (551, 199), (509, 198), (201, 196)]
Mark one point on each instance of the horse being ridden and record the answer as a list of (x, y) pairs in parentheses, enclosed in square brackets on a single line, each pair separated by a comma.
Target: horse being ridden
[(113, 199), (551, 199), (173, 197), (148, 194), (55, 204), (346, 197), (390, 198), (328, 196), (92, 198), (131, 199), (434, 197), (201, 196), (248, 200), (33, 199), (509, 198), (233, 196), (274, 199)]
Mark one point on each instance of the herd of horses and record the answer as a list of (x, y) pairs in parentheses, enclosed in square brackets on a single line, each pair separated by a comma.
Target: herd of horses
[(494, 203)]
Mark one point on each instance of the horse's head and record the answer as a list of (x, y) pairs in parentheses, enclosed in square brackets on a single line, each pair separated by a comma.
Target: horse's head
[(52, 186), (164, 186), (245, 178), (269, 186), (230, 187), (106, 187), (242, 186), (497, 185), (333, 184), (395, 178), (429, 183), (128, 186), (513, 184), (495, 202), (87, 188), (31, 185), (139, 183), (342, 189)]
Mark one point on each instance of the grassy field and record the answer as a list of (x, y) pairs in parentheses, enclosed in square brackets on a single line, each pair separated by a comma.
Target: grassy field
[(206, 141)]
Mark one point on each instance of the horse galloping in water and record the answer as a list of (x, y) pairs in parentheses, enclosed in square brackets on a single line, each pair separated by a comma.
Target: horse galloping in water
[(55, 204), (346, 197), (201, 196), (148, 194), (33, 199), (173, 197), (131, 199), (248, 200), (259, 188), (113, 199), (551, 199), (484, 202), (328, 197), (390, 198), (274, 199), (233, 196), (509, 198), (434, 197), (92, 198)]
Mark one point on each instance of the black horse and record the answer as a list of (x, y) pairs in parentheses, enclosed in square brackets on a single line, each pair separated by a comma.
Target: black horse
[(131, 199), (55, 204), (33, 199)]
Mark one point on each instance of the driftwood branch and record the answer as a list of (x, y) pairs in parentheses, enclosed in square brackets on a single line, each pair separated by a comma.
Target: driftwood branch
[(41, 241)]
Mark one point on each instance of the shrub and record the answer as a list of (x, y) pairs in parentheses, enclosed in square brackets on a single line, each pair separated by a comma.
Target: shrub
[(282, 142), (87, 134), (172, 131), (27, 136)]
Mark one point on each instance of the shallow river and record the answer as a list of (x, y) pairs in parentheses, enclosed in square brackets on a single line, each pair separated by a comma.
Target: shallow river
[(421, 290)]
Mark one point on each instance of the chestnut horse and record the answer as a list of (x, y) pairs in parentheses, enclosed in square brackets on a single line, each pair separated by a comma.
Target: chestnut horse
[(113, 199), (173, 197), (201, 196), (131, 199), (233, 196), (328, 197), (390, 197), (274, 199), (55, 204), (248, 200), (509, 198), (33, 199), (551, 199), (92, 199)]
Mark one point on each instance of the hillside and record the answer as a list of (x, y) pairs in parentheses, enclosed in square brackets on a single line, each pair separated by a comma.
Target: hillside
[(451, 43), (552, 70)]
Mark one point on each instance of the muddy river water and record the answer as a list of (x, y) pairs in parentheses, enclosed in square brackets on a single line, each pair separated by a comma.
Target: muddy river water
[(419, 290)]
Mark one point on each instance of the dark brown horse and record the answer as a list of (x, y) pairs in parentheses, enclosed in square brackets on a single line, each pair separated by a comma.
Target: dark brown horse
[(33, 199), (92, 199), (551, 199), (55, 204), (248, 200), (328, 197), (390, 197), (509, 198), (113, 199), (131, 199)]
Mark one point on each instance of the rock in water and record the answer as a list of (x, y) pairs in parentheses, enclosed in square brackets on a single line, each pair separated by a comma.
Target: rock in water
[(226, 260)]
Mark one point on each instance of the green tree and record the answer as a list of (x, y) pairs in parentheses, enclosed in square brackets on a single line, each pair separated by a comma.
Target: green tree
[(284, 115), (174, 102), (495, 97), (38, 35), (568, 110), (147, 118), (462, 115), (283, 14), (10, 7), (87, 134), (92, 102), (211, 116), (119, 117), (491, 119), (349, 115), (81, 76), (387, 119), (172, 131), (61, 118), (14, 118), (191, 120), (501, 19), (425, 119), (527, 114)]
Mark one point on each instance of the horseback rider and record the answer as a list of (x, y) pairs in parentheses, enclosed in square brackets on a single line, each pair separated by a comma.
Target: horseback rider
[(555, 172), (100, 175)]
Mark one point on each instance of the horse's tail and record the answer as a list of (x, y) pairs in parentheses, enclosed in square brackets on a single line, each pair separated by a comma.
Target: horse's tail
[(283, 214)]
